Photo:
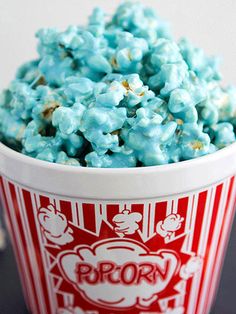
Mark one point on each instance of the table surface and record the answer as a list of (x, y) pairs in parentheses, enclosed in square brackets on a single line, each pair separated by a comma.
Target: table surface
[(11, 299)]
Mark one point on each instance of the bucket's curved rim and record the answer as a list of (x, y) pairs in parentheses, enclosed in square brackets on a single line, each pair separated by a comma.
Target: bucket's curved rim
[(118, 183), (135, 170)]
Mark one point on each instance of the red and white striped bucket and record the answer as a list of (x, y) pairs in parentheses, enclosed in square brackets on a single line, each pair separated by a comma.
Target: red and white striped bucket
[(125, 253)]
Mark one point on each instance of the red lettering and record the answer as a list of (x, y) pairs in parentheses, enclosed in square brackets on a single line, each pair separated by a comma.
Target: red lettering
[(146, 273), (105, 268), (114, 278), (87, 273), (93, 279), (129, 273), (82, 270), (163, 273)]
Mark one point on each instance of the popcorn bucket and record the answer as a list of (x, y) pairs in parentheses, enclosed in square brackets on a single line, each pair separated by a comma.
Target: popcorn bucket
[(102, 241)]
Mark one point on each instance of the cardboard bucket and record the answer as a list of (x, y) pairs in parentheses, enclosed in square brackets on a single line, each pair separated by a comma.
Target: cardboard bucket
[(102, 241)]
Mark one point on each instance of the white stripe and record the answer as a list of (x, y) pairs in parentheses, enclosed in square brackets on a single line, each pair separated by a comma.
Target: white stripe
[(104, 214), (169, 208), (98, 218), (31, 251), (56, 203), (185, 247), (175, 206), (80, 214), (74, 214), (181, 288), (152, 218), (143, 233), (71, 297), (42, 241), (211, 256), (67, 300), (57, 286), (192, 221), (19, 244)]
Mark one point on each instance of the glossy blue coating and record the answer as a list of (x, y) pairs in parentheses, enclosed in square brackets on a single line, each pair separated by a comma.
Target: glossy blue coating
[(118, 92)]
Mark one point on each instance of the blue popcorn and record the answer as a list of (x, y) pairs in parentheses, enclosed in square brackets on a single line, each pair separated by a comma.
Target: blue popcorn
[(103, 118), (68, 119), (63, 159), (180, 100), (165, 52), (197, 88), (159, 106), (87, 44), (48, 41), (141, 21), (56, 70), (5, 99), (23, 99), (47, 154), (101, 142), (98, 125), (77, 89), (33, 142), (223, 134), (170, 77), (181, 106), (205, 67), (208, 113), (73, 143), (133, 89), (123, 159), (224, 100), (99, 63), (97, 22), (129, 54), (111, 95), (48, 100), (12, 128), (148, 137), (29, 73), (193, 142), (118, 92)]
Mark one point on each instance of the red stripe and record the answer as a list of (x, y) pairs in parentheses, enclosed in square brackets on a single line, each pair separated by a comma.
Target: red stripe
[(209, 241), (199, 219), (33, 230), (112, 210), (14, 241), (221, 242), (77, 213), (137, 208), (89, 217), (44, 201), (160, 211), (65, 207)]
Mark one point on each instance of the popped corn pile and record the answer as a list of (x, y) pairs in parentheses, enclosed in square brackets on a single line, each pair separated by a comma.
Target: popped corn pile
[(117, 93)]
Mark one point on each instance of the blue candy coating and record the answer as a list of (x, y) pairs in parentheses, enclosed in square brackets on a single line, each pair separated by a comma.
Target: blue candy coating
[(117, 93)]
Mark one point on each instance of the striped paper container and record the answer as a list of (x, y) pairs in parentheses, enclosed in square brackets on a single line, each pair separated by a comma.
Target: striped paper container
[(159, 255)]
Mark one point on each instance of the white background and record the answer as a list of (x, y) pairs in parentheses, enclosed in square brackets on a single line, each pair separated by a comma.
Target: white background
[(210, 24)]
